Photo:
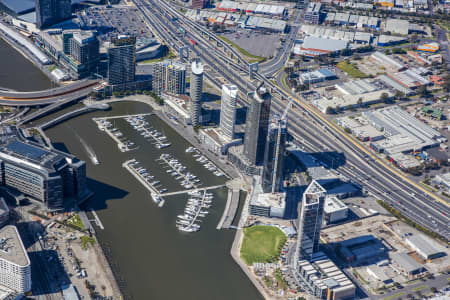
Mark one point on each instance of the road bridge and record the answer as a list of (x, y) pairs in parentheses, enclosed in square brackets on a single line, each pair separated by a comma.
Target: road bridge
[(74, 113)]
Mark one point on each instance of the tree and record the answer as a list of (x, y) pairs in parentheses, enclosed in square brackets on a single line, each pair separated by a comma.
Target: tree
[(399, 94), (422, 90), (329, 110), (384, 97), (346, 52), (360, 101)]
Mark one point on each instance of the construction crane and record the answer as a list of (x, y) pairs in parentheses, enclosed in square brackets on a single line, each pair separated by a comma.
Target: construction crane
[(277, 146)]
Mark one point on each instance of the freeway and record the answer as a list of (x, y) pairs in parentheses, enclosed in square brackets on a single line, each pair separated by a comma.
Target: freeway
[(272, 66), (362, 166)]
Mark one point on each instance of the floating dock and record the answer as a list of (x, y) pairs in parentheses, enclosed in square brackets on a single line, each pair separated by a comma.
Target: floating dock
[(143, 181)]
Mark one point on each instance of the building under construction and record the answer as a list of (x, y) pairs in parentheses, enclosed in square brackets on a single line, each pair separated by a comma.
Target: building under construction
[(274, 154)]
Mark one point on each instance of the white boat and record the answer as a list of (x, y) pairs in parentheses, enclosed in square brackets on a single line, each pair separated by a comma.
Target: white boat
[(156, 198)]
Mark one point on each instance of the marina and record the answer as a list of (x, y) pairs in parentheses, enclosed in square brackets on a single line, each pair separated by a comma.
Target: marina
[(207, 164), (123, 143), (178, 171), (195, 208), (159, 140), (146, 179)]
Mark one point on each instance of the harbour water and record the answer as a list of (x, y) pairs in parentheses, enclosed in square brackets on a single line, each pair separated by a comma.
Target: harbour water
[(152, 259), (18, 73)]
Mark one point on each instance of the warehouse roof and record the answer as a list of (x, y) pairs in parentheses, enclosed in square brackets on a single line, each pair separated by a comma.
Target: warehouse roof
[(394, 84), (397, 26), (406, 262), (425, 246), (318, 43)]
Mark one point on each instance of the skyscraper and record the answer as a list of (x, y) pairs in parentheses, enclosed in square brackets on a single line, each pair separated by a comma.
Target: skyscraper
[(256, 125), (310, 221), (169, 76), (228, 110), (122, 60), (49, 12), (195, 108), (274, 154)]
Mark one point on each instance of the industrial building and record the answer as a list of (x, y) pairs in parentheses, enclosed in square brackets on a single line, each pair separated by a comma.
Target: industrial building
[(403, 132), (4, 212), (234, 19), (361, 248), (406, 265), (397, 26), (390, 40), (319, 75), (334, 210), (15, 266), (336, 34), (430, 47), (351, 94), (362, 130), (122, 60), (315, 46), (410, 79), (169, 76), (228, 110), (394, 84), (248, 7), (196, 92), (257, 123), (378, 274), (309, 222), (274, 154), (45, 175), (50, 12), (390, 64), (312, 14), (423, 246), (324, 280)]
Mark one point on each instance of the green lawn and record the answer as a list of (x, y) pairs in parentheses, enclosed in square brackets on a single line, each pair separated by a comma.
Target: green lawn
[(262, 244), (254, 58), (76, 221), (351, 70)]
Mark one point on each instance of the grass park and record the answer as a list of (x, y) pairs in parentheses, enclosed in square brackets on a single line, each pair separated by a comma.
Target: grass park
[(262, 244)]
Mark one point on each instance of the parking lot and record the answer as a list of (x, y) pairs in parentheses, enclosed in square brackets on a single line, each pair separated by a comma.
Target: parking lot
[(112, 21), (256, 43)]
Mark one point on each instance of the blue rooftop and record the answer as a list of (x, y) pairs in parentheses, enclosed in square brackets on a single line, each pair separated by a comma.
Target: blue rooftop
[(19, 6), (26, 150), (326, 72)]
